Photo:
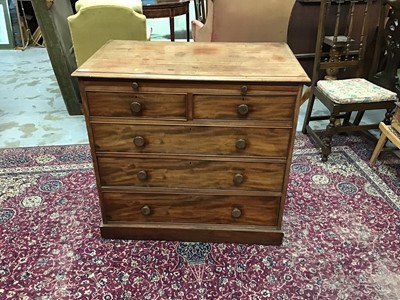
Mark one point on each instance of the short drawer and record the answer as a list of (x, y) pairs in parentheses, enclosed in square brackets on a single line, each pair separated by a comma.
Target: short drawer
[(137, 105), (201, 140), (231, 107), (176, 208), (191, 174)]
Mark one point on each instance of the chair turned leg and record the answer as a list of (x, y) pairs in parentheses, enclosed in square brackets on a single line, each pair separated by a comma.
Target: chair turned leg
[(327, 140), (307, 116), (378, 148)]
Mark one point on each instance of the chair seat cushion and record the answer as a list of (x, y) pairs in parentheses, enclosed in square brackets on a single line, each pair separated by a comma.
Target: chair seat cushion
[(354, 90)]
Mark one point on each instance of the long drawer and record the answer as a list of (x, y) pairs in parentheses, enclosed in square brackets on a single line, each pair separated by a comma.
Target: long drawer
[(201, 140), (176, 208), (200, 174)]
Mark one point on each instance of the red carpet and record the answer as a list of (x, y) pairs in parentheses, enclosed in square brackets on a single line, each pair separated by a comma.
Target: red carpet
[(341, 224)]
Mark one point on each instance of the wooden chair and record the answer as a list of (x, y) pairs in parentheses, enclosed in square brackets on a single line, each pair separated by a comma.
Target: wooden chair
[(346, 61), (388, 132), (244, 21)]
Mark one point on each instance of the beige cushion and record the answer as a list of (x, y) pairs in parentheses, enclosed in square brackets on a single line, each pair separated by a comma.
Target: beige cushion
[(354, 90)]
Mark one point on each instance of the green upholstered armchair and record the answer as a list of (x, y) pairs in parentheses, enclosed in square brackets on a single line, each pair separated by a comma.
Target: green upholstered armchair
[(98, 21), (244, 21)]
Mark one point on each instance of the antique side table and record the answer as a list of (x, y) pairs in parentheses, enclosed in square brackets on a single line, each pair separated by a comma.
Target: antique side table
[(168, 9)]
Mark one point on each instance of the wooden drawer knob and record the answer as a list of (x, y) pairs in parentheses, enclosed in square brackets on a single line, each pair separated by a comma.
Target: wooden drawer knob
[(243, 90), (136, 108), (240, 144), (243, 110), (142, 175), (238, 178), (236, 212), (139, 141), (145, 210), (135, 86)]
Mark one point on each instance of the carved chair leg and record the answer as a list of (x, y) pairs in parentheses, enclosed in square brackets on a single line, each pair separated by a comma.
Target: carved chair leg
[(327, 140), (388, 116)]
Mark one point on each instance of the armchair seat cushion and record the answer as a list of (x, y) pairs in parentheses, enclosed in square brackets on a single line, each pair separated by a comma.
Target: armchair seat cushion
[(354, 90)]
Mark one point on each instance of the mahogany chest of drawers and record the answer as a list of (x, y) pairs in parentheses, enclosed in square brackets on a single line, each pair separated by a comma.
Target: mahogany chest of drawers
[(192, 141)]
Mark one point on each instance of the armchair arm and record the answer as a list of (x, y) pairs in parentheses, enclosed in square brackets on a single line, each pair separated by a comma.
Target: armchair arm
[(203, 32), (196, 26)]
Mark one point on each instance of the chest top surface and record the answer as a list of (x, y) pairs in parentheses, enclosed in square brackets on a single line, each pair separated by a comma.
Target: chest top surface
[(259, 62)]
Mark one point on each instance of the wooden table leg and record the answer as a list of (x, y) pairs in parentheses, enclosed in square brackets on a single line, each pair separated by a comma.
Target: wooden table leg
[(172, 28), (187, 27)]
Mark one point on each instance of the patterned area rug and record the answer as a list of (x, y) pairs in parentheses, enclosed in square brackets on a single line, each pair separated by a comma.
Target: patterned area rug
[(341, 224)]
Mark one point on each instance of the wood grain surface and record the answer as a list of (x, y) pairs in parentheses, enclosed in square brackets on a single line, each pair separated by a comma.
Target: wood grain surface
[(188, 173), (272, 62), (200, 140)]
